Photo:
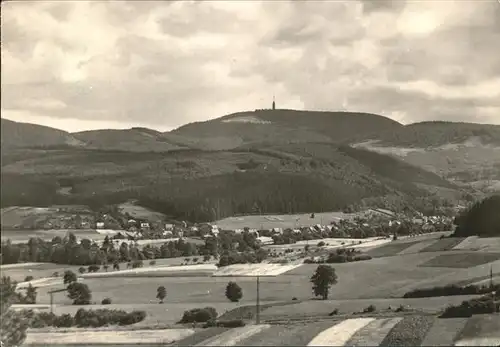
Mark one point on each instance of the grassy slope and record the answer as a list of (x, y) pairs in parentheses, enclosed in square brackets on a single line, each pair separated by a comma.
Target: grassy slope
[(288, 126), (16, 134), (134, 140), (434, 134)]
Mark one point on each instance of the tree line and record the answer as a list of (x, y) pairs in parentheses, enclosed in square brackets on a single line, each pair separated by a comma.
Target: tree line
[(233, 248)]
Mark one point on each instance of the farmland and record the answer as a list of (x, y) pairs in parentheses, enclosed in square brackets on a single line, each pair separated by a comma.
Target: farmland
[(415, 330), (381, 282), (280, 221)]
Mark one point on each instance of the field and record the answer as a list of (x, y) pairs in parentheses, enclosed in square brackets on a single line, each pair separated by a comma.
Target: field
[(415, 330), (462, 260), (280, 221), (140, 212)]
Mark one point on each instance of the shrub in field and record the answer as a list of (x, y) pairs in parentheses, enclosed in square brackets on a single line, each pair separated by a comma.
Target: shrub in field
[(69, 277), (81, 270), (152, 262), (334, 312), (449, 290), (43, 319), (64, 321), (102, 317), (137, 263), (28, 278), (235, 323), (79, 293), (233, 292), (93, 268), (322, 279), (55, 274), (401, 308), (294, 298), (106, 267), (106, 301), (370, 309), (469, 308), (321, 244), (200, 315), (206, 257), (161, 293), (116, 267)]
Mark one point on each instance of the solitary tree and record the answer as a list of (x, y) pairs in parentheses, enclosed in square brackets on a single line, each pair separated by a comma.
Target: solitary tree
[(12, 324), (79, 293), (323, 279), (116, 266), (206, 257), (30, 294), (161, 293), (234, 292), (69, 277), (106, 267)]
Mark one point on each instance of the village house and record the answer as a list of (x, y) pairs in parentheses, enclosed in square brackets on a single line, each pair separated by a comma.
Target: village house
[(209, 229), (144, 225), (99, 225)]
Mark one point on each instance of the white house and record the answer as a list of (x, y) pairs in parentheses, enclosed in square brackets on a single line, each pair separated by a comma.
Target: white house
[(99, 225), (169, 227), (264, 240), (277, 230), (145, 225)]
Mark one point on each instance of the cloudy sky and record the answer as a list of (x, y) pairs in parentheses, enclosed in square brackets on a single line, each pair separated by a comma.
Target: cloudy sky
[(87, 65)]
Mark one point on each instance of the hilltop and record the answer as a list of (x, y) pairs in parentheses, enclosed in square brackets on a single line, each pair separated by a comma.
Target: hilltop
[(286, 126), (22, 135)]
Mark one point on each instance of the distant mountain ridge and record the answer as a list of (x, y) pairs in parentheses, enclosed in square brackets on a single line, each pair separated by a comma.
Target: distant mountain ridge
[(465, 153)]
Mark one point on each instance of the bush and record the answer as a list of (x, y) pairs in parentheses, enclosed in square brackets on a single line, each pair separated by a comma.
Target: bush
[(43, 319), (401, 308), (28, 278), (94, 268), (64, 321), (235, 323), (106, 301), (449, 290), (334, 312), (152, 262), (294, 299), (137, 263), (370, 309), (102, 317), (321, 244), (469, 308), (200, 315)]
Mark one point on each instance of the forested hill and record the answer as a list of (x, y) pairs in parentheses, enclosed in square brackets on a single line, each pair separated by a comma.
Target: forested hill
[(285, 126), (482, 219), (438, 133), (201, 185)]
